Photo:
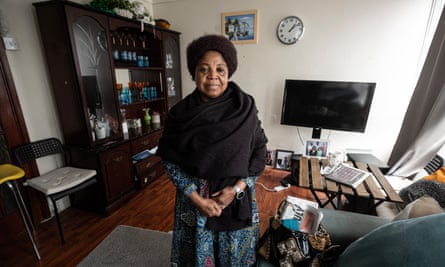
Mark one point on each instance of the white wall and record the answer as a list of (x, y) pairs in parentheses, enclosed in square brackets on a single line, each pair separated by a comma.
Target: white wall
[(364, 40), (353, 40)]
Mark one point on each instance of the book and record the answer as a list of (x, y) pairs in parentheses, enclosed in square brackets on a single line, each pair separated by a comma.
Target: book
[(346, 175), (299, 214), (141, 155)]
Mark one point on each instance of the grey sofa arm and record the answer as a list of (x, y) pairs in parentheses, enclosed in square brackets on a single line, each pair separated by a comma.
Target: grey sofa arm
[(344, 227)]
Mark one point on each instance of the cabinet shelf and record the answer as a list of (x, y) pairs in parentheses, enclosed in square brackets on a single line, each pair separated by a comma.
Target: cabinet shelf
[(142, 103), (136, 68)]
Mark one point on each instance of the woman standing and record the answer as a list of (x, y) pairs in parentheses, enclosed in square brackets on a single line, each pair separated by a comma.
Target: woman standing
[(213, 148)]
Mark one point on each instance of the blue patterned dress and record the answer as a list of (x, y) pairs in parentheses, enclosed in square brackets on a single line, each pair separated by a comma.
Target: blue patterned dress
[(196, 245)]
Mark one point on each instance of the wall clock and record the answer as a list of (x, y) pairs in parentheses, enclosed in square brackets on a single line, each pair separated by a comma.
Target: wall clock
[(290, 30)]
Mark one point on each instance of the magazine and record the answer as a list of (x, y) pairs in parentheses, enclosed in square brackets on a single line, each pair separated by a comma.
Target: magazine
[(346, 175), (300, 215)]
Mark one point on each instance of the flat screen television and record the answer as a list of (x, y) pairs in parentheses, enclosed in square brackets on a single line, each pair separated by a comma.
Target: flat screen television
[(335, 105)]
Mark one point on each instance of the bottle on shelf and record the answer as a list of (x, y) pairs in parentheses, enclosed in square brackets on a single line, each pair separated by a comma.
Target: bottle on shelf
[(155, 117), (124, 123), (147, 117), (135, 93), (92, 118), (100, 129), (140, 61), (116, 55), (153, 93), (123, 56), (125, 96), (146, 91)]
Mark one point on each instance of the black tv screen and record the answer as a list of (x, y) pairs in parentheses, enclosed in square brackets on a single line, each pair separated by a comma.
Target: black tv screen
[(335, 105)]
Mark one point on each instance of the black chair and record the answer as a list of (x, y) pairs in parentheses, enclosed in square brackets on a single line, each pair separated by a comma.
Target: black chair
[(434, 164), (58, 183)]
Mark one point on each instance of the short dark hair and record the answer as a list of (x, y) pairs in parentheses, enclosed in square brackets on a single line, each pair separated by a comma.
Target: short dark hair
[(198, 47)]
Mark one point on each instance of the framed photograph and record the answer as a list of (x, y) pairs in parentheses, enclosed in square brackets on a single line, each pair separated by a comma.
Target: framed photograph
[(317, 148), (240, 27), (283, 159), (270, 157)]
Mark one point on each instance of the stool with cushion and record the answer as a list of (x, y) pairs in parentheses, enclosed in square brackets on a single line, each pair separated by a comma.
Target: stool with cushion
[(58, 183), (9, 174)]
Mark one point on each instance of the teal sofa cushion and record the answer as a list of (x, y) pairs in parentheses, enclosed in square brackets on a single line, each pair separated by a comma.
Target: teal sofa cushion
[(413, 242)]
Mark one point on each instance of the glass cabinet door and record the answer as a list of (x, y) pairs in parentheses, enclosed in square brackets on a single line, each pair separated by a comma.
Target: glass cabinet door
[(172, 68), (96, 77)]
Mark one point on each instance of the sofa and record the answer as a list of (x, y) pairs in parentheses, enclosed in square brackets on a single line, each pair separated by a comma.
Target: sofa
[(408, 234), (365, 240)]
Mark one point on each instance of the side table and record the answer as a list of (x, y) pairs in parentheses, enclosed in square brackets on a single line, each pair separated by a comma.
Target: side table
[(375, 189)]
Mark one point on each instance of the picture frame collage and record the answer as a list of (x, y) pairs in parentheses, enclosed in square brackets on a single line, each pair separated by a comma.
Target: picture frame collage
[(281, 158)]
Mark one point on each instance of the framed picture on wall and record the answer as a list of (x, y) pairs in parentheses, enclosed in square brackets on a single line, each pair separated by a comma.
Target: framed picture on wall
[(317, 148), (240, 27), (283, 159)]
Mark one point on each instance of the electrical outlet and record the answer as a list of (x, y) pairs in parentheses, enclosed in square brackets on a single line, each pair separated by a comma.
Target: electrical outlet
[(10, 43)]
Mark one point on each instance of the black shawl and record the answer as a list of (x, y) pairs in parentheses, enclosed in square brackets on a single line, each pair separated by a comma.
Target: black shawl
[(217, 139)]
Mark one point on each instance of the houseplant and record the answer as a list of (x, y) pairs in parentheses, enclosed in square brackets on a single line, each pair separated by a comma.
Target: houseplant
[(127, 8)]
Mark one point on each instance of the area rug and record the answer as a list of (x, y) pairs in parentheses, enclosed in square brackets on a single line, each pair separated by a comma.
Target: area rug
[(131, 246)]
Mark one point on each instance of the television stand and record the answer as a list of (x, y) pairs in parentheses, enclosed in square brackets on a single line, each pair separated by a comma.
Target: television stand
[(316, 133)]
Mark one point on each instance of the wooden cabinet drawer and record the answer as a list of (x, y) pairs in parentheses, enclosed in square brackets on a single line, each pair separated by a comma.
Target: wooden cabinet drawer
[(146, 142), (144, 165), (148, 170)]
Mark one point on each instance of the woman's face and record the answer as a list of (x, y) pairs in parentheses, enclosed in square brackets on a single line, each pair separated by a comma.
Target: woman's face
[(211, 75)]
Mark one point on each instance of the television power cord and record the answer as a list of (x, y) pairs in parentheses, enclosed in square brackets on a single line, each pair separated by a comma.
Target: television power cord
[(275, 189)]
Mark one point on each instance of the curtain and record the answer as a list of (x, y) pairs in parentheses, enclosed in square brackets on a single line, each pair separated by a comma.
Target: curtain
[(422, 133)]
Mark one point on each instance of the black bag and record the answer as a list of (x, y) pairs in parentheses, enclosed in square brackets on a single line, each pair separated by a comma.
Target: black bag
[(284, 247)]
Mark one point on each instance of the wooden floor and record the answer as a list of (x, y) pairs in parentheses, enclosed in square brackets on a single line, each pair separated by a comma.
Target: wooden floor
[(151, 208)]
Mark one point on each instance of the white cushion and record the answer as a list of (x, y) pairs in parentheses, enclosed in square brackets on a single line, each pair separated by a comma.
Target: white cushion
[(60, 179), (420, 207)]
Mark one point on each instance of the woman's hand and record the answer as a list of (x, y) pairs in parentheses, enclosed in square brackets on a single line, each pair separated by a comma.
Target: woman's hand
[(207, 206), (227, 195), (224, 197)]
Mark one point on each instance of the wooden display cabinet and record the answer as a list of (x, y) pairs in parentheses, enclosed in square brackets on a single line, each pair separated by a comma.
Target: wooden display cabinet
[(92, 57)]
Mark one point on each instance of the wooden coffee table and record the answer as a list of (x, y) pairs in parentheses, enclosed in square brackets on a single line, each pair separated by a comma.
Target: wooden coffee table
[(376, 191)]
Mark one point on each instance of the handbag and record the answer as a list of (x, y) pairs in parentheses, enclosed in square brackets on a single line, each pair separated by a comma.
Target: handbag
[(287, 248)]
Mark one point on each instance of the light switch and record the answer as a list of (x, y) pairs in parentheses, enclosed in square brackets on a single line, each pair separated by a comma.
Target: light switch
[(10, 43)]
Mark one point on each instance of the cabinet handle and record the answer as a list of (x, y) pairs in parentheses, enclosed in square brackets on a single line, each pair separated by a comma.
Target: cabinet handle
[(146, 142), (118, 159), (148, 165)]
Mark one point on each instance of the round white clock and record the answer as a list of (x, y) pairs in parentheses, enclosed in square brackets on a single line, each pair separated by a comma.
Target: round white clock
[(290, 30)]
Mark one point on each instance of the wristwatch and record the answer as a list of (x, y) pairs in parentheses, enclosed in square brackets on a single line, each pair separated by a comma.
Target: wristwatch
[(239, 192)]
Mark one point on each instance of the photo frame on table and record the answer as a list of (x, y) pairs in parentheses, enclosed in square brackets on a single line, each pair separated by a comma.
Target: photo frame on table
[(270, 157), (283, 159), (317, 148), (240, 27)]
